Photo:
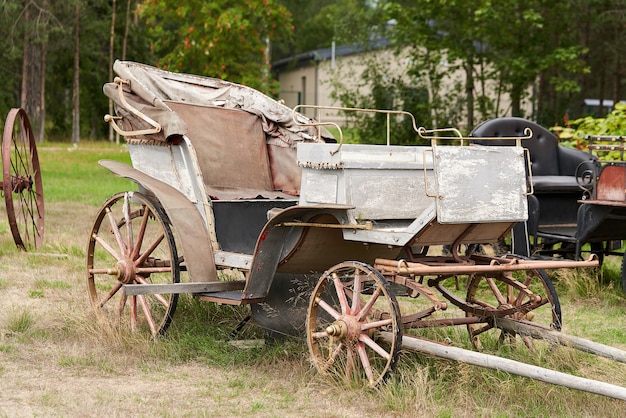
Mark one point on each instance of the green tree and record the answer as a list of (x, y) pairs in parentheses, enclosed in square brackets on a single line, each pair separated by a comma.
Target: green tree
[(11, 41), (223, 39), (527, 49), (601, 31)]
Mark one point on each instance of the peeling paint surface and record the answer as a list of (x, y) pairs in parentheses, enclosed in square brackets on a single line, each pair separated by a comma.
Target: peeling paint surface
[(480, 184)]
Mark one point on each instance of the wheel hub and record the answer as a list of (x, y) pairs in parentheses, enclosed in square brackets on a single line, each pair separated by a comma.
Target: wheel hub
[(20, 183), (123, 272), (346, 327)]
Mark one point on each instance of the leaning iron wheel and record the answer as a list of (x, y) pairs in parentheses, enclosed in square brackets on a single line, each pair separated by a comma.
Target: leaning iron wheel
[(526, 295), (131, 243), (350, 305), (22, 185)]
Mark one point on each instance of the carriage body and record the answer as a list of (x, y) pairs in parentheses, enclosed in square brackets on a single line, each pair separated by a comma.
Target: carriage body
[(323, 237)]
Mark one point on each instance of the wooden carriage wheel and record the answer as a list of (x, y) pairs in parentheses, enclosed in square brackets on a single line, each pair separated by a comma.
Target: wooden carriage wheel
[(525, 295), (351, 303), (131, 242), (22, 185)]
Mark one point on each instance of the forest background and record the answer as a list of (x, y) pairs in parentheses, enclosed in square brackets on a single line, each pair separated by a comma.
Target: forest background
[(57, 54)]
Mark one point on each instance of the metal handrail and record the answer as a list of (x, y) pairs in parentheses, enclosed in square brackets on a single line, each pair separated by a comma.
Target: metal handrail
[(421, 131), (318, 122), (156, 127)]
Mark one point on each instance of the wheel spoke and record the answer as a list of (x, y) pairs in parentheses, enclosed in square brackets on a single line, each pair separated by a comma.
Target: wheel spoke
[(107, 247), (496, 292), (364, 338), (377, 324), (365, 362), (109, 295), (146, 311), (477, 331), (149, 251), (146, 271), (528, 343), (129, 224), (121, 303), (341, 294), (333, 356), (133, 313), (329, 309), (368, 306), (356, 293), (116, 232), (350, 366), (140, 235)]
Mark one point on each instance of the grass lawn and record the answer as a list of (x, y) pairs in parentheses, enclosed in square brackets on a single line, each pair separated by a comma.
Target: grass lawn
[(56, 359)]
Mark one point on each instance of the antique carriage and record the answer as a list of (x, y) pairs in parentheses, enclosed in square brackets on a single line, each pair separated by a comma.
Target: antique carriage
[(244, 201)]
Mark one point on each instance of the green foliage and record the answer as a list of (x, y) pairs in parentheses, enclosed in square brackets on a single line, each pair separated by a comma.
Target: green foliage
[(575, 134), (504, 43), (318, 23), (219, 38), (372, 128), (19, 321)]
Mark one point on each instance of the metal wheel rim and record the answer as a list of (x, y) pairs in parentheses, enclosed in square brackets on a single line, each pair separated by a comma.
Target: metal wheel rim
[(22, 184)]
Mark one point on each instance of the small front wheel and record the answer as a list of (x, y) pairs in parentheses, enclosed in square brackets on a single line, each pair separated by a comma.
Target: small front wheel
[(350, 305), (131, 243)]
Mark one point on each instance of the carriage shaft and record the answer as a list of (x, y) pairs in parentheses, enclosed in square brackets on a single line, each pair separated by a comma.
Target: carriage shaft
[(509, 366), (539, 332), (387, 266)]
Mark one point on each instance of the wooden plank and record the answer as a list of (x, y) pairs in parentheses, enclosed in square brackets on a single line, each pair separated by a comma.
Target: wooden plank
[(194, 287), (509, 366), (233, 260)]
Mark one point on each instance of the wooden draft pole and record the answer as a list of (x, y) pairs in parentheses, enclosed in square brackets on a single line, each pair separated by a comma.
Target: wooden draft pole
[(509, 366), (556, 337)]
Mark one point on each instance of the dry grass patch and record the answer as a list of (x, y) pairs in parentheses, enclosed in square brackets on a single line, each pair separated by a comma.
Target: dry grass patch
[(58, 359)]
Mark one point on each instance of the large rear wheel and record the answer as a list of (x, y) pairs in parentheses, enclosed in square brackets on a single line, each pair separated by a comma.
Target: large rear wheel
[(131, 243)]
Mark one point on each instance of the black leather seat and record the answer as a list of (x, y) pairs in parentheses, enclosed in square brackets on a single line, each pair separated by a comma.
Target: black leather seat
[(556, 176)]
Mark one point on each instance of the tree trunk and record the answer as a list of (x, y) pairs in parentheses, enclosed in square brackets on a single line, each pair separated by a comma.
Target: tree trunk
[(76, 89), (32, 97), (111, 46), (42, 76), (42, 92), (25, 60), (469, 91), (516, 98), (126, 27)]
